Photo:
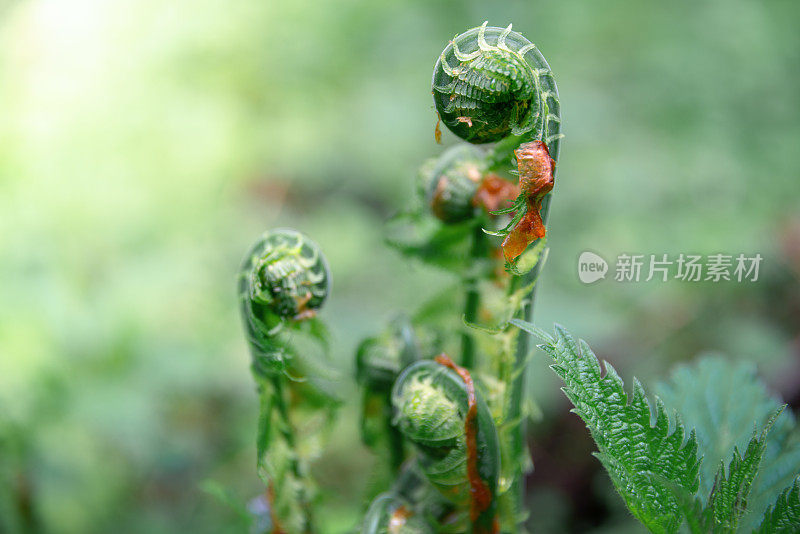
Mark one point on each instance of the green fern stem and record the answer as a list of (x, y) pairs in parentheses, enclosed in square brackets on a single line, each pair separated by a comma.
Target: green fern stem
[(275, 413), (472, 299), (549, 131), (288, 431), (519, 384)]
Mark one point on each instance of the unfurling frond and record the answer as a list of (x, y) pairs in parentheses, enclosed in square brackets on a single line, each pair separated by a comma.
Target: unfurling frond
[(438, 410)]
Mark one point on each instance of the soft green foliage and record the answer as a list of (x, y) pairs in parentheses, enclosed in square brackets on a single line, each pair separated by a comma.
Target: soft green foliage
[(644, 452), (728, 499), (633, 439), (784, 516), (722, 400), (779, 468)]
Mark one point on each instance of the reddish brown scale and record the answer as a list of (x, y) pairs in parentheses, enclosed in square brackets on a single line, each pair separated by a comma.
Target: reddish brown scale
[(398, 519), (437, 132), (481, 496), (494, 192), (535, 168)]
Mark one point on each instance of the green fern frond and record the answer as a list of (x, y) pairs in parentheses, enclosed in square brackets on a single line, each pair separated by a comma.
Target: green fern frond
[(728, 499), (784, 516), (722, 399), (779, 468), (633, 438)]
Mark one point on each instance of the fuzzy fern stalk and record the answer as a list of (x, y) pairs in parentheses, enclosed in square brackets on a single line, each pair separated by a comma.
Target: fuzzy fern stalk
[(283, 281), (457, 425)]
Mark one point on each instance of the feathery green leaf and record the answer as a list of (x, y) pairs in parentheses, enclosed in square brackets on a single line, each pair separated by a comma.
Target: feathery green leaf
[(633, 438), (722, 400), (728, 499), (784, 516)]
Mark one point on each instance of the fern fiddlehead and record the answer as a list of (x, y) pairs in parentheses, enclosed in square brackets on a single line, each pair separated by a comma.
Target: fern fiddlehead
[(490, 92), (452, 182), (489, 85), (284, 280), (379, 361), (440, 412)]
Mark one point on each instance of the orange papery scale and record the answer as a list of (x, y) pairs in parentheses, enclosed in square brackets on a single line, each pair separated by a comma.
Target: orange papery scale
[(536, 169), (494, 192), (481, 496)]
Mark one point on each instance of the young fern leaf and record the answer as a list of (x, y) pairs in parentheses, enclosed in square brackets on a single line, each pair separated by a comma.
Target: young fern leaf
[(492, 84), (438, 410), (284, 280), (721, 400), (633, 439), (783, 517), (779, 468), (728, 500)]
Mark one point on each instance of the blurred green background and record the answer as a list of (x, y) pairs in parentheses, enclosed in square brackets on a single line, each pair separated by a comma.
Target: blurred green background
[(144, 145)]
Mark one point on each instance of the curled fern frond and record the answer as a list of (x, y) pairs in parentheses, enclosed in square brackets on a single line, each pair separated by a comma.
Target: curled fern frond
[(439, 411), (283, 281), (391, 514), (452, 182), (379, 361), (491, 84), (484, 88)]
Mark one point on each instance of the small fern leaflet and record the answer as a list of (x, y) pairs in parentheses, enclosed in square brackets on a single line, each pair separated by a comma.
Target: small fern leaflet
[(784, 515), (633, 438)]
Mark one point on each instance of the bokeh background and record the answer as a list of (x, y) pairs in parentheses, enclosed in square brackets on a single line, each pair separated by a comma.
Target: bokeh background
[(145, 144)]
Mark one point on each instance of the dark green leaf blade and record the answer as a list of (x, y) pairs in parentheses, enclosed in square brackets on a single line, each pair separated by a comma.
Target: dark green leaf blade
[(633, 438), (728, 499), (784, 516)]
